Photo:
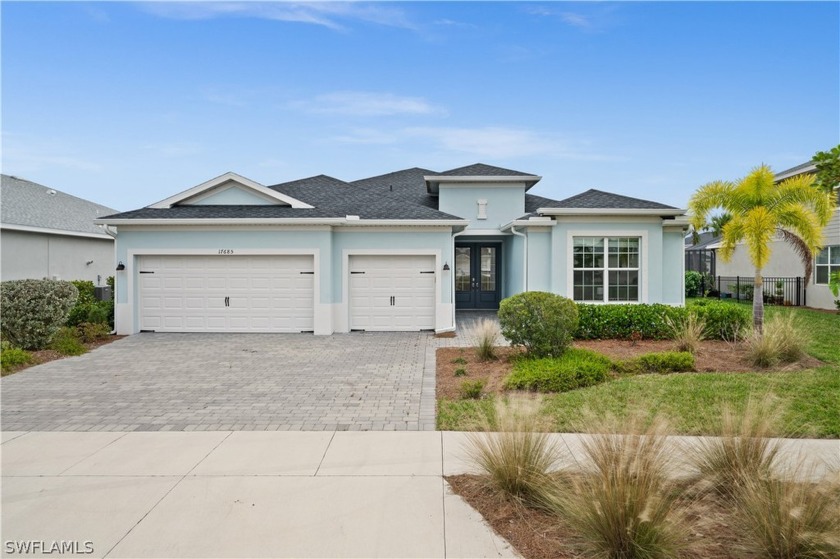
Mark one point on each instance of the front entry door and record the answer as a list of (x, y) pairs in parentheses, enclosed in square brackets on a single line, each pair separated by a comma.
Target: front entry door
[(478, 275)]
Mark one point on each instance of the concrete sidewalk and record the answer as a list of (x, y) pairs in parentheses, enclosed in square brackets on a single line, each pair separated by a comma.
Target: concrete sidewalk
[(255, 494)]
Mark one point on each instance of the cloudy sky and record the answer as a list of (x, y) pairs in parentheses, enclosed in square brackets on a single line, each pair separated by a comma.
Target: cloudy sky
[(127, 103)]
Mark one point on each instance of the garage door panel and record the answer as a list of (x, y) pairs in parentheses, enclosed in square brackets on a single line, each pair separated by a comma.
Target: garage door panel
[(264, 294), (392, 292)]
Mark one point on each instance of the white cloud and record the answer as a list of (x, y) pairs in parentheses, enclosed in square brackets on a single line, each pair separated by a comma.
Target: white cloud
[(492, 142), (327, 14), (576, 20), (361, 103)]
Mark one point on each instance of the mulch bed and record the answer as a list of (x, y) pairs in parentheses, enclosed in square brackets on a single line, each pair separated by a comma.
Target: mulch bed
[(46, 355), (713, 356), (539, 535)]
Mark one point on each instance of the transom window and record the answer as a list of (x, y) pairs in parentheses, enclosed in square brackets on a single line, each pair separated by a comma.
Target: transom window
[(606, 269), (828, 262)]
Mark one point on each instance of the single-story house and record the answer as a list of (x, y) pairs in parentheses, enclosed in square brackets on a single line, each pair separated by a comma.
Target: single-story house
[(45, 233), (400, 251), (785, 262)]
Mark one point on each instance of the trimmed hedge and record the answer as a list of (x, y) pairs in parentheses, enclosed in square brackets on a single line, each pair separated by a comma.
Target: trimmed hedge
[(724, 321), (34, 310), (577, 368), (624, 322), (542, 322)]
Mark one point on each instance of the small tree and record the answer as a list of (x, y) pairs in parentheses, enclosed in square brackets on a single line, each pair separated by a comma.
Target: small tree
[(828, 168), (543, 323), (760, 209), (34, 310)]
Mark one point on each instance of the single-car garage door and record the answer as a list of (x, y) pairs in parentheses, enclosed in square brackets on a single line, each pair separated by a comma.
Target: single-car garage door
[(226, 293), (392, 292)]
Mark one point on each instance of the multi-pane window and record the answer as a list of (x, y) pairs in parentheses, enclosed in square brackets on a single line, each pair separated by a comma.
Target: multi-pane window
[(828, 262), (606, 269)]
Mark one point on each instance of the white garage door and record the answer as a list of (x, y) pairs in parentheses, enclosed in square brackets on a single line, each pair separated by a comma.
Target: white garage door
[(392, 293), (226, 293)]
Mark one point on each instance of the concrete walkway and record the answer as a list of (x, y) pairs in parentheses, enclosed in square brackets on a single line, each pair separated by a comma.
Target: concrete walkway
[(258, 494)]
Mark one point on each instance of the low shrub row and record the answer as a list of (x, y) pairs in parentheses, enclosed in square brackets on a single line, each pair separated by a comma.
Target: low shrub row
[(34, 310), (576, 368), (88, 308)]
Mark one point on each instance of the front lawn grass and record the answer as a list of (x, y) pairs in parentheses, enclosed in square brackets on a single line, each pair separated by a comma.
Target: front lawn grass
[(692, 401)]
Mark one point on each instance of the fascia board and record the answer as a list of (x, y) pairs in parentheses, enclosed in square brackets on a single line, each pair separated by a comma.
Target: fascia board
[(610, 211), (212, 183), (46, 231), (338, 221), (482, 178)]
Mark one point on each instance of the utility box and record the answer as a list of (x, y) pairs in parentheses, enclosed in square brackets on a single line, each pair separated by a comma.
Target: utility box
[(102, 293)]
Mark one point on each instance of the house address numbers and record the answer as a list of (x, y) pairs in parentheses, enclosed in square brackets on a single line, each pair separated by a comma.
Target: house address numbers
[(225, 251)]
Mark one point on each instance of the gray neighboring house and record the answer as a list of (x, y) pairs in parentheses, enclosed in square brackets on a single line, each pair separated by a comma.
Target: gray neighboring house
[(784, 262), (50, 234)]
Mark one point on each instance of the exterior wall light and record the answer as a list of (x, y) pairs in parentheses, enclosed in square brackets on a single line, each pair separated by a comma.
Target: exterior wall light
[(446, 267), (120, 266)]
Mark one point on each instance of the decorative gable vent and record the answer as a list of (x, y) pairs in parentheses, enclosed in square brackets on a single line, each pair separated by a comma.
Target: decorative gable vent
[(482, 209)]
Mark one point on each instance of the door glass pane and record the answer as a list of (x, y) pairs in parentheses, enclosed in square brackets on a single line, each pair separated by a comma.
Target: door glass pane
[(488, 268), (462, 268)]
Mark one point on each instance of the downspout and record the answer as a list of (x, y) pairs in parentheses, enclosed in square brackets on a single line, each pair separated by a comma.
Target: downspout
[(107, 229), (525, 266)]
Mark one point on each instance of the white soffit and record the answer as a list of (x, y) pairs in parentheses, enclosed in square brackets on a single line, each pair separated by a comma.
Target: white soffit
[(228, 177)]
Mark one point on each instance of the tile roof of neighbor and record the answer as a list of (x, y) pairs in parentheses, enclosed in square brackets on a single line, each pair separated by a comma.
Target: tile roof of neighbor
[(397, 195), (30, 204)]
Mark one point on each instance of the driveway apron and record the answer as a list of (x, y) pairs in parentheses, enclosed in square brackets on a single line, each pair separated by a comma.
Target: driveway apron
[(240, 382)]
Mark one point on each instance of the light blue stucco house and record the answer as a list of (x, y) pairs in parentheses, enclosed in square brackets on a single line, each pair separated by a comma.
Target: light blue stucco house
[(400, 251)]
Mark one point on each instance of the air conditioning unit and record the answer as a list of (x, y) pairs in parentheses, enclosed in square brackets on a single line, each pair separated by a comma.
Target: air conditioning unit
[(102, 293)]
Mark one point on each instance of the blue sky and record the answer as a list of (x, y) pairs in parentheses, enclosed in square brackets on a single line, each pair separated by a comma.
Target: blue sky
[(128, 103)]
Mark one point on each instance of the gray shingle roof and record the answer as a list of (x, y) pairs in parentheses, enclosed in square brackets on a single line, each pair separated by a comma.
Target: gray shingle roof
[(30, 204), (398, 195), (598, 199), (482, 170)]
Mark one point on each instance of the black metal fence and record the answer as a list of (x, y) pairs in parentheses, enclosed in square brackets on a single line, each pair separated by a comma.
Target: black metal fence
[(777, 290)]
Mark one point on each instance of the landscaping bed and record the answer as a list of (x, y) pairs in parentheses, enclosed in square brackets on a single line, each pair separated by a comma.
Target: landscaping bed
[(46, 355), (537, 534), (713, 356)]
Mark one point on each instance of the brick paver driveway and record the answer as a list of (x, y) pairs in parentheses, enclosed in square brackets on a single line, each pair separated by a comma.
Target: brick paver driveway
[(184, 382)]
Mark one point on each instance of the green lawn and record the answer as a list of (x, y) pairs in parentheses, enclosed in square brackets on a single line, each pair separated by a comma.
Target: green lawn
[(810, 399)]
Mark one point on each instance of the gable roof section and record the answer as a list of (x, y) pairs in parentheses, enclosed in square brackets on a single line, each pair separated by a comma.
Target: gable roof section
[(408, 184), (478, 173), (196, 191), (31, 206), (599, 199)]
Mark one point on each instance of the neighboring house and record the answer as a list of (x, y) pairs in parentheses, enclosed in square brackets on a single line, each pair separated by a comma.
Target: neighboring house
[(400, 251), (699, 257), (784, 262), (50, 234)]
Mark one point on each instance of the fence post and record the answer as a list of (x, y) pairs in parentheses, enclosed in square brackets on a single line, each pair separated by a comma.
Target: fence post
[(797, 290), (718, 286), (737, 288)]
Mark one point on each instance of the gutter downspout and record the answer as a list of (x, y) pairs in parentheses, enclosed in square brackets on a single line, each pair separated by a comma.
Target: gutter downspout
[(525, 259), (107, 229)]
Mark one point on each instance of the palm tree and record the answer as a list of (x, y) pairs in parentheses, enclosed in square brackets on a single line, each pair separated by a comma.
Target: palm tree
[(717, 223), (760, 209)]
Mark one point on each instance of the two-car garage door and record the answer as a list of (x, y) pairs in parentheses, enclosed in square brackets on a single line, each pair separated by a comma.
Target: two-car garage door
[(275, 293), (226, 293)]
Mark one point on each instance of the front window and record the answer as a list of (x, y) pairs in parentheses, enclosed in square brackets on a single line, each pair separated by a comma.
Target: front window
[(606, 269), (828, 262)]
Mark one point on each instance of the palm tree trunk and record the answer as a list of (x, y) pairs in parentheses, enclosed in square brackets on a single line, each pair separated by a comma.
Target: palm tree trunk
[(758, 302)]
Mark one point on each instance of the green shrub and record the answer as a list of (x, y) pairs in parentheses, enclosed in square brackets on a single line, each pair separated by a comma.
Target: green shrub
[(66, 341), (93, 331), (12, 356), (577, 368), (34, 310), (471, 389), (543, 323), (664, 362), (460, 372), (459, 361), (724, 321), (604, 322), (692, 284)]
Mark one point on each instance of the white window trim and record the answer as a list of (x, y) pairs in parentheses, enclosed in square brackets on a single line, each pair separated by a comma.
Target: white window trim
[(828, 265), (643, 262)]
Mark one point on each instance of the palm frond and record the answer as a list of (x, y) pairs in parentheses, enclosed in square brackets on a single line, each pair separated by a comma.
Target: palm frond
[(801, 190), (760, 226), (758, 185), (731, 234), (717, 194), (801, 249)]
